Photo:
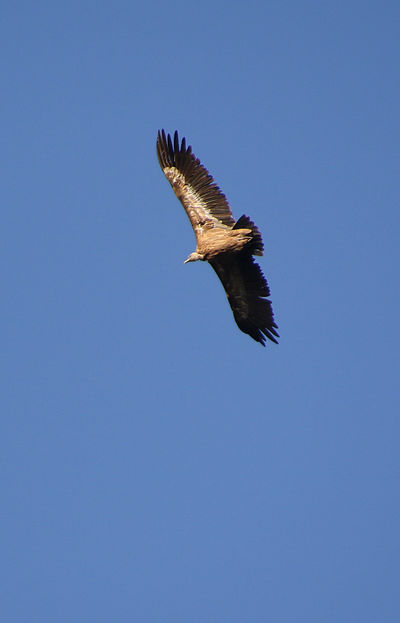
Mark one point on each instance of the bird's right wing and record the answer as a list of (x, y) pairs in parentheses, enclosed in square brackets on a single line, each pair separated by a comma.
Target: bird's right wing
[(246, 289)]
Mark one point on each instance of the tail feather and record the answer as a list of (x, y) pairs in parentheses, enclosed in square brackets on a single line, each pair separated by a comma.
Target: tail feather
[(256, 246)]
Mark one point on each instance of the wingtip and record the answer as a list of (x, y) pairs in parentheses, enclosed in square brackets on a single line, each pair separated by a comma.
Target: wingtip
[(173, 136)]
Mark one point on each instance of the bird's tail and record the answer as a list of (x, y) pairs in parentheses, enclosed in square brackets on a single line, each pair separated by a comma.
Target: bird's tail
[(255, 246)]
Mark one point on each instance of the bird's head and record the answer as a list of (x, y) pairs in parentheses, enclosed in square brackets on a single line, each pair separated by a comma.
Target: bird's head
[(193, 257)]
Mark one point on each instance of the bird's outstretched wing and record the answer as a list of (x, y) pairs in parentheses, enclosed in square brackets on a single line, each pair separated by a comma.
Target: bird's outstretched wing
[(205, 204), (246, 289)]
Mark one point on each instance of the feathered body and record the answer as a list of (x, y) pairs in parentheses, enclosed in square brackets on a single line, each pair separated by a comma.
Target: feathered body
[(227, 245)]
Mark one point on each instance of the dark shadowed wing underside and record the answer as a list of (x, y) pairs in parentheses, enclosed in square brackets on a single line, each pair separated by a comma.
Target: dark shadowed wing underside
[(246, 287)]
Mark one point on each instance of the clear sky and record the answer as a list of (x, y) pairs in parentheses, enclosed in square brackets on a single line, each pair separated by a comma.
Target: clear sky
[(156, 463)]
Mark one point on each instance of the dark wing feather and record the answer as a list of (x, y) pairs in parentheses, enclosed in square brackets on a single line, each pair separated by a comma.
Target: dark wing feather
[(205, 204), (246, 289)]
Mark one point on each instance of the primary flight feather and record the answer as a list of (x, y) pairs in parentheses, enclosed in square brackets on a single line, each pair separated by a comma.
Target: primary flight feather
[(226, 244)]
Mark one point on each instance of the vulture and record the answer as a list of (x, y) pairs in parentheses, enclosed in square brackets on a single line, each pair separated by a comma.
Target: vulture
[(226, 244)]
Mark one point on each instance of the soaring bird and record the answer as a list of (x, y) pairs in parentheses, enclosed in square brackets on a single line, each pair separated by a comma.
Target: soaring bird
[(226, 244)]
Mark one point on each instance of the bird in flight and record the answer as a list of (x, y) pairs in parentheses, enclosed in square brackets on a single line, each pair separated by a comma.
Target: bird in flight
[(227, 245)]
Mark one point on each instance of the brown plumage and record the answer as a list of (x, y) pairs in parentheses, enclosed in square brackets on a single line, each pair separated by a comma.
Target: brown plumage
[(225, 244)]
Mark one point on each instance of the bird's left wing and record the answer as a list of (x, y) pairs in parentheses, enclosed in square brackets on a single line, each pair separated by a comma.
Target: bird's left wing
[(205, 204)]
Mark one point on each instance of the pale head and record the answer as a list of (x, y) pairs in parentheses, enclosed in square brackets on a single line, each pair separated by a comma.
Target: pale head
[(193, 257)]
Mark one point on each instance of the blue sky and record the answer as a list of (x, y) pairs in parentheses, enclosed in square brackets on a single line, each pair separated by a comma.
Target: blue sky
[(156, 463)]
